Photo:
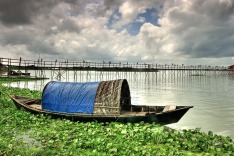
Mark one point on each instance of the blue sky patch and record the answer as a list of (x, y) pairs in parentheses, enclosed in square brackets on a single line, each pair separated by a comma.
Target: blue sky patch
[(149, 16)]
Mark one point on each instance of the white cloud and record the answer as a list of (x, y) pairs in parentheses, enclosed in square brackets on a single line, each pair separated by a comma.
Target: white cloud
[(189, 31), (130, 9)]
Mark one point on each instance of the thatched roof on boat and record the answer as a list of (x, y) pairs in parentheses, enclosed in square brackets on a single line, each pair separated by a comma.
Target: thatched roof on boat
[(111, 96), (105, 97)]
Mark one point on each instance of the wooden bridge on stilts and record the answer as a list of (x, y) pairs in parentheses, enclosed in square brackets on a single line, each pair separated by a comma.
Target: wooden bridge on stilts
[(61, 69)]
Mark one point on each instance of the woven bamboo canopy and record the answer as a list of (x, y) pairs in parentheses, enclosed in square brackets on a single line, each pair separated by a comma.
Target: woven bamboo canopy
[(112, 96)]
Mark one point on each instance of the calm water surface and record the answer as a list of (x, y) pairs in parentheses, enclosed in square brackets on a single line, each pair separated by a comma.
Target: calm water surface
[(211, 95)]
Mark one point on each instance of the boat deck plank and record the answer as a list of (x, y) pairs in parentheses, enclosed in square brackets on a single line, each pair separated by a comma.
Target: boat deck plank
[(36, 106)]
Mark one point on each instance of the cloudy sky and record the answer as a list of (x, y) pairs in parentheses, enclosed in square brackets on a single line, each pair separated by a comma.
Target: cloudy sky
[(150, 31)]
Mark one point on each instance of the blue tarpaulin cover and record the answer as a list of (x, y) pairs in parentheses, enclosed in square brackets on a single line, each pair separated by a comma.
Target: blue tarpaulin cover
[(69, 97)]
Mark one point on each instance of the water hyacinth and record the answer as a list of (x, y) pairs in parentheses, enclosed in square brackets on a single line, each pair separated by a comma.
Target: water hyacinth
[(22, 133)]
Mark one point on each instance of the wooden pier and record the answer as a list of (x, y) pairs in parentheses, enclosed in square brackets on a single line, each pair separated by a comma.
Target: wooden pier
[(61, 69)]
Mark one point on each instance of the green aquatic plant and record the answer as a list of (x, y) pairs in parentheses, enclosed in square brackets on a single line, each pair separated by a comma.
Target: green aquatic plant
[(22, 133)]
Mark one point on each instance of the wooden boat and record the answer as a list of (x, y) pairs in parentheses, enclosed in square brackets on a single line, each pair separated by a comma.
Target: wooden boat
[(158, 114), (104, 101)]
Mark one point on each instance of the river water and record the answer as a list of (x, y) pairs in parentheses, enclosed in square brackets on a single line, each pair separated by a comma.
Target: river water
[(212, 95)]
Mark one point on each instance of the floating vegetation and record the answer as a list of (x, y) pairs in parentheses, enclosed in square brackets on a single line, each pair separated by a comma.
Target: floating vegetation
[(22, 133)]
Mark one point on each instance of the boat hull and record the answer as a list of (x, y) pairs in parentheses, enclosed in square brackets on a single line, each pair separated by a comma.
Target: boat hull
[(163, 118)]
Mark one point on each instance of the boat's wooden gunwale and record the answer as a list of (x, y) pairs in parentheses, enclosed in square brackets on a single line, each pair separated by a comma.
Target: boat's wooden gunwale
[(123, 113), (144, 113)]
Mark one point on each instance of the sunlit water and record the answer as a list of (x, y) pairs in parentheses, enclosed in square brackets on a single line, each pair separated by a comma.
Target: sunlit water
[(211, 95)]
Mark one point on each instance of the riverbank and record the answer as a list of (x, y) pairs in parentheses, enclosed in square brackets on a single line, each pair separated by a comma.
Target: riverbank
[(46, 136)]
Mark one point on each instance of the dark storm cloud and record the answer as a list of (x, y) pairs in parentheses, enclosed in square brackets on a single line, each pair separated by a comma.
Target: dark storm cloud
[(69, 25), (40, 47), (15, 37), (215, 9), (112, 4), (204, 28), (217, 42), (13, 12)]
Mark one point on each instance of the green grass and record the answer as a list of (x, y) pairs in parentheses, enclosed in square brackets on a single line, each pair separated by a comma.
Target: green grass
[(22, 133)]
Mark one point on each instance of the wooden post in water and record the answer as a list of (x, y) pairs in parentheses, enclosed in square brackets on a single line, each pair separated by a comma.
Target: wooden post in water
[(9, 66)]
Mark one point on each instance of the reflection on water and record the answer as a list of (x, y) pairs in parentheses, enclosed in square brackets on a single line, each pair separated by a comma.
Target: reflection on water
[(211, 95), (33, 85), (2, 72)]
